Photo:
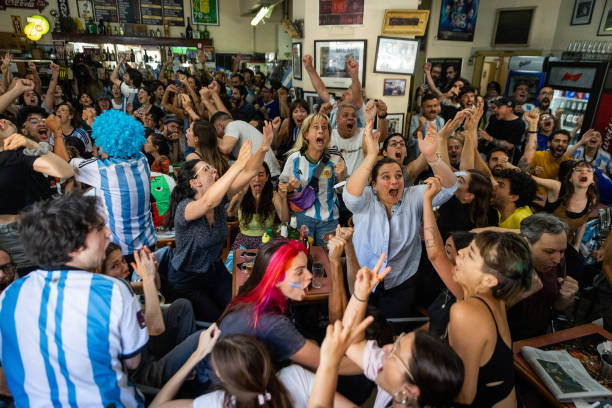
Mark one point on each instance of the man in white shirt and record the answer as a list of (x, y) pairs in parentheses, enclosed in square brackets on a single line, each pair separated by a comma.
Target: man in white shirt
[(132, 79)]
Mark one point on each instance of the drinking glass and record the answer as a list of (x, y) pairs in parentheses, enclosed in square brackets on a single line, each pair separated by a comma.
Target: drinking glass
[(317, 275)]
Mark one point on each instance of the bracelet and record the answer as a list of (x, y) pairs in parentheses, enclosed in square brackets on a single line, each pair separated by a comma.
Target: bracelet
[(438, 160), (361, 300), (382, 117), (532, 131)]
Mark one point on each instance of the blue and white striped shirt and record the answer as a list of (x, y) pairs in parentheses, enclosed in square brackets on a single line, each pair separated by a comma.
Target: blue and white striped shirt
[(63, 334), (324, 207), (123, 186), (602, 159)]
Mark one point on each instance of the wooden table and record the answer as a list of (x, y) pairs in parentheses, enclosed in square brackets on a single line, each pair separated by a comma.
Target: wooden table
[(524, 369), (239, 276), (165, 239)]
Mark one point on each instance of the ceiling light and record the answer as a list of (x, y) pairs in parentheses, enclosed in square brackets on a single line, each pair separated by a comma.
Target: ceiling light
[(260, 14)]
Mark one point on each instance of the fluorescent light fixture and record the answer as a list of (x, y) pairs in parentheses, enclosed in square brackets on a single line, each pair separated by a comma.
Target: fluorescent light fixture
[(260, 14)]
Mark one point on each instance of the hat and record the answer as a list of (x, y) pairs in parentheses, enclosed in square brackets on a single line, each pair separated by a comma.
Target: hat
[(504, 101), (171, 118)]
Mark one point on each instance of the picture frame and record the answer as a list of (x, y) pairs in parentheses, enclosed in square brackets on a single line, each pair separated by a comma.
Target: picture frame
[(394, 87), (85, 9), (297, 60), (395, 123), (396, 55), (405, 22), (583, 12), (330, 61), (341, 12), (513, 27), (605, 24), (314, 100), (205, 12), (457, 22)]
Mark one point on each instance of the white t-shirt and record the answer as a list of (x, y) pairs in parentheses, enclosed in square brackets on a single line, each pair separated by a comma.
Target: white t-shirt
[(129, 92), (242, 131), (372, 362), (351, 149), (296, 379)]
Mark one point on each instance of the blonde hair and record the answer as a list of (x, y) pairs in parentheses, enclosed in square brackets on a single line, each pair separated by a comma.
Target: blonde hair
[(301, 144)]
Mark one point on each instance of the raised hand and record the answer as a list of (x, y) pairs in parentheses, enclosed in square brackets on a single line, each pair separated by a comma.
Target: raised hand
[(205, 93), (587, 136), (268, 135), (532, 117), (208, 339), (202, 57), (371, 139), (282, 93), (53, 123), (307, 60), (172, 88), (335, 247), (144, 264), (186, 102), (367, 279), (16, 141), (428, 144), (245, 152), (6, 62), (54, 68), (294, 183), (370, 110), (88, 115), (276, 123), (433, 188), (352, 67), (122, 60), (338, 339), (326, 108), (345, 232), (236, 58), (214, 87), (31, 66), (427, 67), (381, 107), (24, 85), (282, 190)]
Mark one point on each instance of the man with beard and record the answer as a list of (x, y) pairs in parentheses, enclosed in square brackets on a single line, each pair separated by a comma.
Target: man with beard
[(589, 149), (520, 93), (347, 138), (544, 98), (31, 120), (505, 129), (497, 158), (239, 94), (455, 147), (429, 116), (547, 238)]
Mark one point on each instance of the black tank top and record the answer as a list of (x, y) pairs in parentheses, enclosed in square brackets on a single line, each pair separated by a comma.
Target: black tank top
[(500, 367)]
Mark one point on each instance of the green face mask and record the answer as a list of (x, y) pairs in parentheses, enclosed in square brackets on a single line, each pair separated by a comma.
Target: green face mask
[(160, 190)]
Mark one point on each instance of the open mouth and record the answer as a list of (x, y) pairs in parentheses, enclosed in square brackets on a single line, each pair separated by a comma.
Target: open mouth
[(583, 179), (320, 141), (394, 193), (398, 155), (350, 126)]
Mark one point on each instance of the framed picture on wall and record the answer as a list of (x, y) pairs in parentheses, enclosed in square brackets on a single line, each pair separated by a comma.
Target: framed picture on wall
[(205, 12), (605, 25), (583, 11), (513, 27), (395, 121), (457, 20), (297, 60), (330, 61), (314, 100), (405, 22), (340, 12), (449, 68), (396, 55), (394, 87)]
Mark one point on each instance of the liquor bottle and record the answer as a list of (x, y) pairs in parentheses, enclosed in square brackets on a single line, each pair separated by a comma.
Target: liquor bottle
[(166, 30), (304, 238), (284, 230), (146, 57), (206, 33), (108, 29), (101, 28), (196, 32), (294, 233), (91, 27), (115, 30), (158, 32), (132, 55), (188, 30)]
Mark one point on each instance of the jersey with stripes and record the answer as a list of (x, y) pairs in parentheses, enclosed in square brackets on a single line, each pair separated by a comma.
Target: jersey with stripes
[(124, 190), (298, 166), (63, 336)]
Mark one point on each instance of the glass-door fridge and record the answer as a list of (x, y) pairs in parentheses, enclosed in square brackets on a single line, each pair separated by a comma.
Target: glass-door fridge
[(577, 90), (529, 70)]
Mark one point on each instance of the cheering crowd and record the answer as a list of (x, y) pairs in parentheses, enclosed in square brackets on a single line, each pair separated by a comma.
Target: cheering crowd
[(485, 217)]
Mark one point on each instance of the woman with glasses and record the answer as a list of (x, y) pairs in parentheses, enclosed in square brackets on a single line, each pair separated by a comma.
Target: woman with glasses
[(417, 367), (572, 199), (197, 214)]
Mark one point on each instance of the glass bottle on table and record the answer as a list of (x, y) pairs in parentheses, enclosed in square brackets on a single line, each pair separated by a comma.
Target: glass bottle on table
[(294, 233)]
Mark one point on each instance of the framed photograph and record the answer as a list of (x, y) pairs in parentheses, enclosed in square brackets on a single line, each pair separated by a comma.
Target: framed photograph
[(449, 68), (395, 55), (340, 12), (85, 9), (457, 20), (297, 60), (205, 12), (313, 100), (583, 11), (394, 87), (330, 61), (395, 121), (405, 22), (605, 25), (513, 27)]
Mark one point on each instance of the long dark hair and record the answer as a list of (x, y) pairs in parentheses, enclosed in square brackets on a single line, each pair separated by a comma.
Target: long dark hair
[(265, 209), (76, 121), (248, 375), (208, 147), (566, 191), (482, 188), (182, 190)]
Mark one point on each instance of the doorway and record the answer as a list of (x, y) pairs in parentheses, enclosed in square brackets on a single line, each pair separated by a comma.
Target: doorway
[(493, 65)]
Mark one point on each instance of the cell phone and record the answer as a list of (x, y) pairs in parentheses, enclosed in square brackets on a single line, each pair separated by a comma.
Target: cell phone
[(178, 83)]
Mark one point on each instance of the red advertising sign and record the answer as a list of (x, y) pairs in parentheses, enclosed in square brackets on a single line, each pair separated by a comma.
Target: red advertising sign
[(603, 121), (26, 4)]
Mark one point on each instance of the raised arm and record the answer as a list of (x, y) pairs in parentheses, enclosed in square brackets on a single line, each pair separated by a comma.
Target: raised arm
[(144, 266), (430, 81), (359, 179), (115, 74), (532, 118), (202, 59), (283, 102), (383, 125), (21, 86), (317, 83), (47, 163), (163, 399), (215, 193), (53, 124), (352, 68), (428, 146), (281, 205), (6, 72), (552, 187), (434, 244), (470, 145), (337, 294), (583, 140), (254, 162), (50, 95)]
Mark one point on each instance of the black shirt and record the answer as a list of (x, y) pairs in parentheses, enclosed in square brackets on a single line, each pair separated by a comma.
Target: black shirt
[(511, 131), (454, 216), (20, 185)]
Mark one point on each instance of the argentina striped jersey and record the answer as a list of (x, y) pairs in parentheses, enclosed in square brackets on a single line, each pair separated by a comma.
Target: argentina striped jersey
[(124, 189), (63, 334)]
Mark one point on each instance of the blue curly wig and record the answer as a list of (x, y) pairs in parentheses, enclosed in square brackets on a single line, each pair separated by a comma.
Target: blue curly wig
[(118, 134)]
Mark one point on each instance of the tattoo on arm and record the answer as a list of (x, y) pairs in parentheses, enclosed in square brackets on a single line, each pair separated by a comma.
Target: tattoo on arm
[(428, 236), (524, 165)]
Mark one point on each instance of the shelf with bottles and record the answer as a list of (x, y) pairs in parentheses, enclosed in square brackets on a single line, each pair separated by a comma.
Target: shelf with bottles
[(132, 40)]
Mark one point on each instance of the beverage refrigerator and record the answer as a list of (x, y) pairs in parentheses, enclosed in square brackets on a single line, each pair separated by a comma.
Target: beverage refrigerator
[(603, 115), (528, 69), (577, 89)]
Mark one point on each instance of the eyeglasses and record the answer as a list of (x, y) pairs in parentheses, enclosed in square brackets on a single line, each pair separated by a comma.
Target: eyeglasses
[(35, 121), (8, 267), (394, 354), (396, 144), (546, 93), (206, 168)]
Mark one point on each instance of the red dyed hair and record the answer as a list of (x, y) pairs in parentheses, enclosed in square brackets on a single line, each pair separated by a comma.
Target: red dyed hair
[(266, 296)]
